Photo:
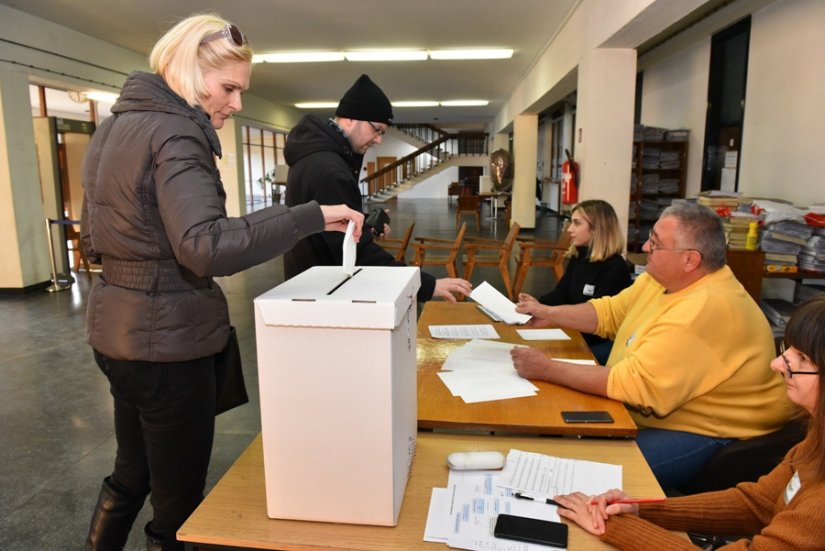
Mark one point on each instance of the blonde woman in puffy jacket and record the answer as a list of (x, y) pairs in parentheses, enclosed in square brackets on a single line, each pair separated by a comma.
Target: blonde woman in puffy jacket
[(154, 216)]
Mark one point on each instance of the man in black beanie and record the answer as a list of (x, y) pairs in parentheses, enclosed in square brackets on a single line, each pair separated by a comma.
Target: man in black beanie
[(324, 161)]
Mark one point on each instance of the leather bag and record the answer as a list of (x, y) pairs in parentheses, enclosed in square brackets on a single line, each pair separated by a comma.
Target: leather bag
[(230, 389)]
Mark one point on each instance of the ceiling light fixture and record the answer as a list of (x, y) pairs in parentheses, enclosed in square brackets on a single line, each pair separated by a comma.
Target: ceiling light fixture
[(465, 103), (472, 54), (415, 104), (386, 55), (298, 57), (317, 105)]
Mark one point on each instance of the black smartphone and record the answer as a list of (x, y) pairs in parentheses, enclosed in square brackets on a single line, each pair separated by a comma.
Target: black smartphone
[(586, 417), (531, 530)]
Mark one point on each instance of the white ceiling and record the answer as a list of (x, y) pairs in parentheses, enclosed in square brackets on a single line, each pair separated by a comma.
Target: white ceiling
[(295, 25)]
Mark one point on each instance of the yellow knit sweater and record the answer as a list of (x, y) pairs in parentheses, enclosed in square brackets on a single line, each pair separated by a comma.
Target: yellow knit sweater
[(696, 360)]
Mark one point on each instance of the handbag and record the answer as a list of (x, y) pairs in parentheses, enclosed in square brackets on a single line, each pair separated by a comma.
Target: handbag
[(230, 389)]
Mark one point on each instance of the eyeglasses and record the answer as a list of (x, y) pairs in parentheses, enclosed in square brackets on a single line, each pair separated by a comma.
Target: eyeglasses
[(378, 132), (788, 371), (656, 247), (229, 32)]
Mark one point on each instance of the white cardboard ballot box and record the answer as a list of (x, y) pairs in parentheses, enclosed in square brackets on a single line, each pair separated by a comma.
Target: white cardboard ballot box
[(337, 378)]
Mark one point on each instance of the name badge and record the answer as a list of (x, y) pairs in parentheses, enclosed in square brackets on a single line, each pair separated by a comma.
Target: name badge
[(589, 290), (793, 486)]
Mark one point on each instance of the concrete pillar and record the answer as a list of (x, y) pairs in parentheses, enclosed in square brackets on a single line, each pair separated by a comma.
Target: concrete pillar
[(604, 127), (23, 245), (525, 154)]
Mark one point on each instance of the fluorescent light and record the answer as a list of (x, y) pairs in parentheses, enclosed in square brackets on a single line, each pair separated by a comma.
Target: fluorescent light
[(465, 103), (386, 55), (298, 57), (103, 97), (472, 54), (317, 105), (415, 104)]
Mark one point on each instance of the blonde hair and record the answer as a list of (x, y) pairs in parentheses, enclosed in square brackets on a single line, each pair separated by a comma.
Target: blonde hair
[(181, 59), (607, 235)]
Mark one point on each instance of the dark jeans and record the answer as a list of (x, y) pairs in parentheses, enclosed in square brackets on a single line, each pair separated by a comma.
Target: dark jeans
[(164, 425), (676, 457)]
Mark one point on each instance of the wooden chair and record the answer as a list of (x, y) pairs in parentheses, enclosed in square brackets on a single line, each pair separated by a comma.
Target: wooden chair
[(491, 252), (398, 246), (454, 190), (446, 251), (540, 253), (469, 204), (73, 239)]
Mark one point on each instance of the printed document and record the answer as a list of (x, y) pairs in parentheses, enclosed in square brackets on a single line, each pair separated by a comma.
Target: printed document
[(464, 514), (464, 332), (492, 300), (545, 476)]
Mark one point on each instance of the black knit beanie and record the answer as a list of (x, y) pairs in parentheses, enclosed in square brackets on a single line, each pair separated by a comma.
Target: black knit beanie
[(365, 101)]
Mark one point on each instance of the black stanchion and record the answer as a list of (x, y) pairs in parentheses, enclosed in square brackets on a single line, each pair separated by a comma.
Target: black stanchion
[(60, 282)]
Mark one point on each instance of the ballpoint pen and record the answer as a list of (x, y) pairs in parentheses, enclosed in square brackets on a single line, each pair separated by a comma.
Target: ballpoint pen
[(547, 500), (632, 500)]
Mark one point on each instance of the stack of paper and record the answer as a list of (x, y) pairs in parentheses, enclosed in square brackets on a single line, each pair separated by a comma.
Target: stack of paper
[(463, 515), (545, 476), (481, 371)]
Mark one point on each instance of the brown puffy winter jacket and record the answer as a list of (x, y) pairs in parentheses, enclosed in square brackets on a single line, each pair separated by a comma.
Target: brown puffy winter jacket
[(154, 216)]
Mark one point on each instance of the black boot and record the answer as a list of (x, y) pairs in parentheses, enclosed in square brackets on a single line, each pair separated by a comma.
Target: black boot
[(155, 543), (112, 520)]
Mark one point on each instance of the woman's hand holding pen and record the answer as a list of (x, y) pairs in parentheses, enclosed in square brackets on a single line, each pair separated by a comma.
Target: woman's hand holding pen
[(338, 217), (576, 507)]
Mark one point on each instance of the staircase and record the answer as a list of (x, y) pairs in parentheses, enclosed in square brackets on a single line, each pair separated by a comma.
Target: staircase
[(437, 150)]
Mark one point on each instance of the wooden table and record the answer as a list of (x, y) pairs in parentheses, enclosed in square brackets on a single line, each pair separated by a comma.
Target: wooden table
[(539, 414), (233, 515)]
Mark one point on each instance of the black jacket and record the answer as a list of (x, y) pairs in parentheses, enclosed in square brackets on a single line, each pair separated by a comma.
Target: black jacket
[(583, 280), (154, 215), (323, 168)]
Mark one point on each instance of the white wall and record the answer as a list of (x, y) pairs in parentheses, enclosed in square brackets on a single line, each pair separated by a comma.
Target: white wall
[(784, 128), (674, 95), (432, 188)]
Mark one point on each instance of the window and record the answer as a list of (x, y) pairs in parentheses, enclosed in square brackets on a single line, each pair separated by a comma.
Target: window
[(263, 151)]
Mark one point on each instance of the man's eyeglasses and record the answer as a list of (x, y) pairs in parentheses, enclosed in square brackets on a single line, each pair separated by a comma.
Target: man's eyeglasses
[(229, 32), (654, 246), (788, 371), (378, 131)]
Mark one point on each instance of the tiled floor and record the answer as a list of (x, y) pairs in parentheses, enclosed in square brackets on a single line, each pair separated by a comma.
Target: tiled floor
[(56, 438)]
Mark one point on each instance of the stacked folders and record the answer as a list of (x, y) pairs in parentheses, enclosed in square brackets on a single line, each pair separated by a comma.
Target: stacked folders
[(482, 371)]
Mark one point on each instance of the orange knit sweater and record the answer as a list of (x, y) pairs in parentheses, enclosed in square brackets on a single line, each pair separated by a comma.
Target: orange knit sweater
[(755, 509)]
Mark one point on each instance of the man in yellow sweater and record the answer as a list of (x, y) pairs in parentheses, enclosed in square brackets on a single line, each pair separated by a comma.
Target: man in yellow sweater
[(691, 354)]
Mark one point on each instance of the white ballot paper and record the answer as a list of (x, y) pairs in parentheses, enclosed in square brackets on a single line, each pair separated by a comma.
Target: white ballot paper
[(545, 476), (481, 371), (492, 300), (543, 334), (463, 332), (349, 249)]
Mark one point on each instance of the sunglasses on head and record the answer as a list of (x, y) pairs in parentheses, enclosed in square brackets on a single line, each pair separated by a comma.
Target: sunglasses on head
[(229, 32)]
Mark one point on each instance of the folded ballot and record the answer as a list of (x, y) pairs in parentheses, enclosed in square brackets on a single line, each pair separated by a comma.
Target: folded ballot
[(502, 307)]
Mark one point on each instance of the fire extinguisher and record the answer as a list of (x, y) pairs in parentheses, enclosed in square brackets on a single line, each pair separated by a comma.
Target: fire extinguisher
[(569, 180)]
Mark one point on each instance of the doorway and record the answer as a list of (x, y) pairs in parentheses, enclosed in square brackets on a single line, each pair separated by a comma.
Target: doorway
[(726, 107)]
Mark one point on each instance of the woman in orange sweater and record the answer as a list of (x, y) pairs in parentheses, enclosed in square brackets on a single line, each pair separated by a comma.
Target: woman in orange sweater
[(782, 510)]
